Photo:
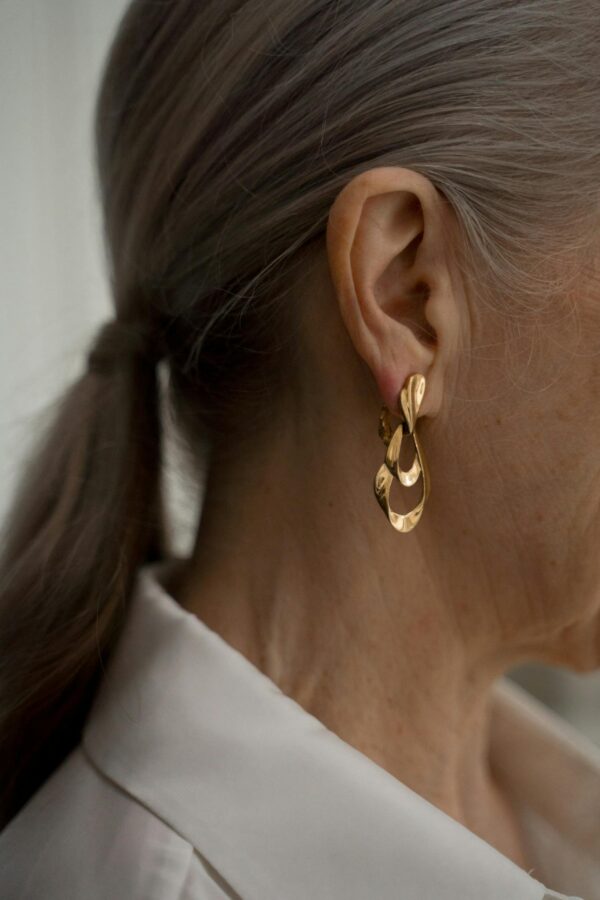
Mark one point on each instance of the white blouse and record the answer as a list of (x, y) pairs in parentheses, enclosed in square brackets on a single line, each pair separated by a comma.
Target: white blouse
[(197, 778)]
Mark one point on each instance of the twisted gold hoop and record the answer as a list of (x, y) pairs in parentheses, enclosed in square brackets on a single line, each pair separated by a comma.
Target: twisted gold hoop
[(409, 401)]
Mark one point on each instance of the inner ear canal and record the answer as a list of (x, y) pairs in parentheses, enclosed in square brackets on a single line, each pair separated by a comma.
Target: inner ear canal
[(415, 317)]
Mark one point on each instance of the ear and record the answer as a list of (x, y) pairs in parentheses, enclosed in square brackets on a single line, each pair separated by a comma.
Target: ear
[(389, 244)]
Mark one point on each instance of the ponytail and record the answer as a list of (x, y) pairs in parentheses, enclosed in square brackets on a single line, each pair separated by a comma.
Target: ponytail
[(87, 512)]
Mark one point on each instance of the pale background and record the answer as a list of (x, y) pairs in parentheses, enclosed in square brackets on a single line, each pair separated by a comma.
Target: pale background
[(54, 292)]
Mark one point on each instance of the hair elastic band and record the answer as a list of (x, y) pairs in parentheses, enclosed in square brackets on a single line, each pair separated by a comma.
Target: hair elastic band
[(119, 341)]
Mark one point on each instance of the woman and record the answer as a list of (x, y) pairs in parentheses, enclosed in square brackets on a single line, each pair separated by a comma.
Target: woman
[(362, 240)]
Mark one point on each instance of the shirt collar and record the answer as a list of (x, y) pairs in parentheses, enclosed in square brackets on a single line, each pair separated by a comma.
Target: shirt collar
[(278, 804)]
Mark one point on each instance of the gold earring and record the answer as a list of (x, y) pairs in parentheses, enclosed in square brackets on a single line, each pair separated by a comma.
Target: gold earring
[(409, 401)]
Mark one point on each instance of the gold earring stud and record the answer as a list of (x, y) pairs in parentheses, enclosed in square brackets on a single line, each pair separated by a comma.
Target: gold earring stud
[(409, 402)]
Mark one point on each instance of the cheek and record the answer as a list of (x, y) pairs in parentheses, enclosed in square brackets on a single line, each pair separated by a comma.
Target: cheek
[(554, 485), (527, 428)]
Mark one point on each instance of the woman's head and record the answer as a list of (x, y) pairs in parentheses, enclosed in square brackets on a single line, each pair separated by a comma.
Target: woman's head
[(461, 142), (389, 187)]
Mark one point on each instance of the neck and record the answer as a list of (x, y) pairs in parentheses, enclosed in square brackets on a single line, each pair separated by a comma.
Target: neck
[(356, 622)]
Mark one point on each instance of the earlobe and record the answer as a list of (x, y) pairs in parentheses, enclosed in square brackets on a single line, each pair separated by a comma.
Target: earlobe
[(387, 241)]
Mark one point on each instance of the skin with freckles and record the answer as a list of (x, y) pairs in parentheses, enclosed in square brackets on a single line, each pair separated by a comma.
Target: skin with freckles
[(394, 640)]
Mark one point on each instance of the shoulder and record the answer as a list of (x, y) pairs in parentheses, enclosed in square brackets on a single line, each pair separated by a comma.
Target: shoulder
[(82, 836)]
